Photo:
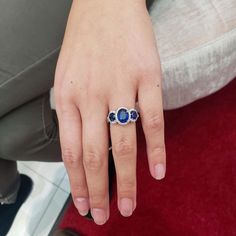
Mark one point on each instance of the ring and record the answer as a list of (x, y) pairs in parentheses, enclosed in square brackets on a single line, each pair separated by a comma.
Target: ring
[(122, 116)]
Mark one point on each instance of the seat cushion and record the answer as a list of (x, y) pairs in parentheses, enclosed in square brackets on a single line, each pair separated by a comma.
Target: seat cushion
[(197, 46)]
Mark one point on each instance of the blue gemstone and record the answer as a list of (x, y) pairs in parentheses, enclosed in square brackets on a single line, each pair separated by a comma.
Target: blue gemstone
[(112, 117), (133, 115), (123, 115)]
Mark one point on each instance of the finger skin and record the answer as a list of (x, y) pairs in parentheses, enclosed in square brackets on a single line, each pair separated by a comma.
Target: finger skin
[(124, 148), (71, 145), (95, 160), (151, 113)]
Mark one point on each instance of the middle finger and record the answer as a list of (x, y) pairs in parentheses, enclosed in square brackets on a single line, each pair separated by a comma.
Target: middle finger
[(95, 159)]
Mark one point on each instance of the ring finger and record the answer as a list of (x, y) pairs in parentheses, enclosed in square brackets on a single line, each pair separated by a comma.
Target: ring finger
[(124, 150)]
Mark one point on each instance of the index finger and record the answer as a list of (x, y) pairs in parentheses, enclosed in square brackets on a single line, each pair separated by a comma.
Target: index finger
[(71, 145)]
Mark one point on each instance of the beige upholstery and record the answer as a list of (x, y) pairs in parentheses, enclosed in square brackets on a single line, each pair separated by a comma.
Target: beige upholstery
[(197, 45)]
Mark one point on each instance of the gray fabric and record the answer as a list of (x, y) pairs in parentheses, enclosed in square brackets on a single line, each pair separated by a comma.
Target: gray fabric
[(29, 132), (31, 34)]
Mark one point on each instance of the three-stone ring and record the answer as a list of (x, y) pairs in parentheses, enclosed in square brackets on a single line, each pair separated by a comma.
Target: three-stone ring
[(122, 116)]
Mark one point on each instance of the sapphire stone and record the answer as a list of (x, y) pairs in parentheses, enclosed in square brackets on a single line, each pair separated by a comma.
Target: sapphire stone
[(122, 116), (133, 115), (112, 117)]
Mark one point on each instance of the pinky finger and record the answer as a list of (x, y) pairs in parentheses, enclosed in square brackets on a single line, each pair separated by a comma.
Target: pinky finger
[(151, 110)]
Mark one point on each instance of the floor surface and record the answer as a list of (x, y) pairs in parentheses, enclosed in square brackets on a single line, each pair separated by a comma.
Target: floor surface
[(50, 191)]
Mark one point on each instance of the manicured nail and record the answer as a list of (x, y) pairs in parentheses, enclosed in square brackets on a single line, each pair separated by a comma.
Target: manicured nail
[(126, 207), (82, 206), (99, 216), (159, 171)]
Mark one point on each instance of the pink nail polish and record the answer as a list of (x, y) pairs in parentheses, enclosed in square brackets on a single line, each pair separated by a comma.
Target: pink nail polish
[(99, 216), (159, 171), (82, 206), (126, 207)]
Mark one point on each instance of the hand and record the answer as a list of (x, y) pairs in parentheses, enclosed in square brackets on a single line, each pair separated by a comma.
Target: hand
[(108, 59)]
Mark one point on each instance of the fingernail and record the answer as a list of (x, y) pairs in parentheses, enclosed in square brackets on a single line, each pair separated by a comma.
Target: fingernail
[(82, 206), (99, 216), (126, 207), (159, 171)]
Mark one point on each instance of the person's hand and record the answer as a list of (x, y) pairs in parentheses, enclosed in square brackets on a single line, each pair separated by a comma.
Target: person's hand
[(108, 60)]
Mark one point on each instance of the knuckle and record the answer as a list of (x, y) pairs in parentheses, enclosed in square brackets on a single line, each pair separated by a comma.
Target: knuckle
[(123, 148), (98, 200), (150, 70), (63, 91), (78, 190), (154, 122), (92, 160), (61, 102), (127, 187), (158, 151), (60, 93), (69, 157), (58, 99)]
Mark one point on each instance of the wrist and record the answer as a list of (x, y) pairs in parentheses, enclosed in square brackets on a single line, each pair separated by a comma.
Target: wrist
[(124, 3)]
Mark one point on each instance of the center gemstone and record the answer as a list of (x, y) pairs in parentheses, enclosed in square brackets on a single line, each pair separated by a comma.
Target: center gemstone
[(123, 115)]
